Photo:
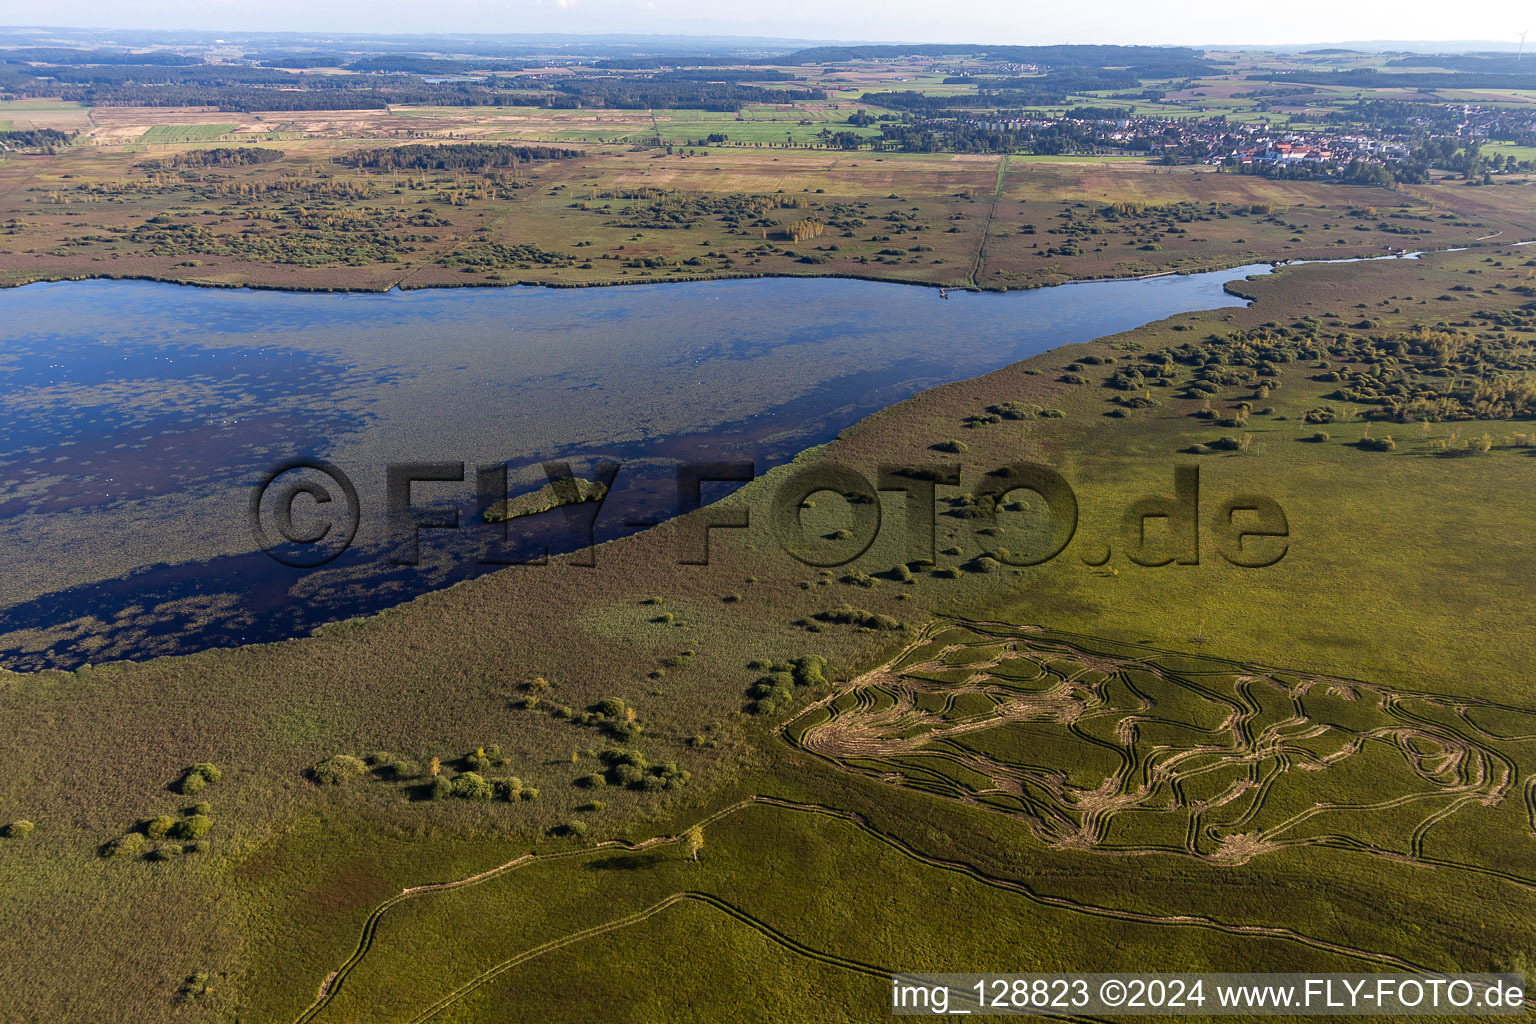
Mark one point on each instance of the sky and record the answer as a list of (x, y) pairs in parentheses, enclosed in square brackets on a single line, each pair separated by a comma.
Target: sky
[(1195, 22)]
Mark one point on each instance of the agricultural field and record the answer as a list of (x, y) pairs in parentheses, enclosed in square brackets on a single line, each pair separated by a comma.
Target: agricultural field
[(186, 132)]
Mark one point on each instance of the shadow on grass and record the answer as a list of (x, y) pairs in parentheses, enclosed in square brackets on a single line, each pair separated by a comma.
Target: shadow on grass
[(628, 861)]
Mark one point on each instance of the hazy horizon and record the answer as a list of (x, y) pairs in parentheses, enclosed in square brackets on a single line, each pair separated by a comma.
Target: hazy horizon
[(1202, 23)]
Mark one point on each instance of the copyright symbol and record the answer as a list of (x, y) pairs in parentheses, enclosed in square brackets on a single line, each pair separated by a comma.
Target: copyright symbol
[(1112, 992), (309, 533)]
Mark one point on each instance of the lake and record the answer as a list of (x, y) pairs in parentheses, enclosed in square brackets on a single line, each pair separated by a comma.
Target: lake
[(140, 418)]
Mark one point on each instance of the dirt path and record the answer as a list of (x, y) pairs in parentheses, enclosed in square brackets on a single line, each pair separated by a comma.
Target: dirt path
[(336, 979), (986, 228)]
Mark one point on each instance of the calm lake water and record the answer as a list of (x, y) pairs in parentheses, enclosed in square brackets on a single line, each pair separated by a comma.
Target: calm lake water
[(138, 419)]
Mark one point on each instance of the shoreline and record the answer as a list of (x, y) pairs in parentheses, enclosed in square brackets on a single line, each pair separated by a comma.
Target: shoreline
[(1229, 287), (680, 279)]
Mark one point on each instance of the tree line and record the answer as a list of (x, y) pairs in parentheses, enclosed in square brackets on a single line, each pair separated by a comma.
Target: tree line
[(467, 156)]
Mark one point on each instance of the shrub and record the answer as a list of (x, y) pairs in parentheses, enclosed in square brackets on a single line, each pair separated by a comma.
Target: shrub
[(337, 770), (123, 846), (165, 851), (613, 707), (849, 616), (628, 774), (194, 986), (574, 828), (593, 781), (809, 670), (952, 447), (400, 768), (1319, 437), (509, 789), (1014, 410), (592, 806), (440, 788), (158, 827), (197, 777), (1322, 414), (472, 786), (949, 572), (1378, 444), (17, 829), (193, 826)]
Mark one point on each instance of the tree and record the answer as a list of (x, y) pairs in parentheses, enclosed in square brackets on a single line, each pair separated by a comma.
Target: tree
[(693, 841)]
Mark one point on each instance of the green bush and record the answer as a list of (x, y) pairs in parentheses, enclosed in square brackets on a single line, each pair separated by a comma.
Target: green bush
[(848, 616), (472, 786), (509, 789), (952, 447), (623, 731), (18, 828), (193, 826), (810, 670), (165, 851), (123, 846), (399, 768), (338, 770), (1014, 410), (158, 827), (593, 781), (628, 774), (574, 828), (439, 788), (613, 707), (196, 778)]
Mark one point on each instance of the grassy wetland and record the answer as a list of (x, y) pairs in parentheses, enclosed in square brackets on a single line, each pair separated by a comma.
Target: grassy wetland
[(770, 780), (624, 696)]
